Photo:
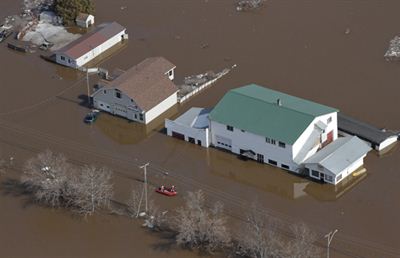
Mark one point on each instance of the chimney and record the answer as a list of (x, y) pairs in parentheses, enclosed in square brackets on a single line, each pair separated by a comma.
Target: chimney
[(279, 102)]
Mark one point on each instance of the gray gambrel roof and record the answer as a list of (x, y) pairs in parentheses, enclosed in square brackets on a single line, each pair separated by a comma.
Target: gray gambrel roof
[(340, 154)]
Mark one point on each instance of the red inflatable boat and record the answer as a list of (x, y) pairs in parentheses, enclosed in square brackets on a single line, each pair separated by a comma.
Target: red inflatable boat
[(168, 191)]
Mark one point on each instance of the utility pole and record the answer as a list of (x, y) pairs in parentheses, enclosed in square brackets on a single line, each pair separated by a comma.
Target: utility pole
[(145, 182), (88, 87), (329, 236)]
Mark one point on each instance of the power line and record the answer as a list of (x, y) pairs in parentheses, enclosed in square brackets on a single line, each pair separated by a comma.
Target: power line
[(186, 181)]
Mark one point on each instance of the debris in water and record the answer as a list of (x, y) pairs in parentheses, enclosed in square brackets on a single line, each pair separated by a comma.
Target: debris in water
[(204, 45), (247, 5), (393, 53), (195, 83)]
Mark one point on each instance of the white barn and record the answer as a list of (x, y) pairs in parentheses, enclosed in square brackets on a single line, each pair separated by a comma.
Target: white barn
[(140, 94), (276, 128), (281, 130), (84, 20), (92, 44)]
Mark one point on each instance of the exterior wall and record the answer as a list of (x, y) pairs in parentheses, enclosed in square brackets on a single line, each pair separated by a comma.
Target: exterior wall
[(171, 74), (305, 137), (75, 63), (238, 139), (201, 135), (386, 143), (67, 60), (161, 108), (85, 23), (105, 99), (335, 177)]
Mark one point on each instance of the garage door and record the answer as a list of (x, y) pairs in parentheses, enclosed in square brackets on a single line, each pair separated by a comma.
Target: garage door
[(178, 135)]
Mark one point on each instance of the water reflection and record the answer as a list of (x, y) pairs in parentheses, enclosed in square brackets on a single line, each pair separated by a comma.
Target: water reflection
[(276, 180), (124, 131)]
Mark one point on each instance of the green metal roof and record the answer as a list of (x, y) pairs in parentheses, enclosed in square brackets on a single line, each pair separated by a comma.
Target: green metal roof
[(254, 109)]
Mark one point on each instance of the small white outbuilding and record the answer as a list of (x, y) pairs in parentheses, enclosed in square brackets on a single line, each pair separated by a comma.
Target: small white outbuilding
[(84, 20)]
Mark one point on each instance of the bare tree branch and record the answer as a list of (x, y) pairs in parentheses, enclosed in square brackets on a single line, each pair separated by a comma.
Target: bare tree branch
[(46, 175), (199, 227), (93, 190)]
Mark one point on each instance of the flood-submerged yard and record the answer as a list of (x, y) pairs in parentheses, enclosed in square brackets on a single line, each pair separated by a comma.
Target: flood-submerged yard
[(330, 52)]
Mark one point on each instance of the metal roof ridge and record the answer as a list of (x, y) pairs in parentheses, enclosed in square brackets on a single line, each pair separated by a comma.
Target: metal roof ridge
[(340, 147), (270, 103)]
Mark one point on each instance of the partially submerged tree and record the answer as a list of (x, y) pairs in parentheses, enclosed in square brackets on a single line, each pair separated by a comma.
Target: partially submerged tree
[(303, 243), (134, 202), (259, 237), (68, 10), (199, 226), (46, 176), (93, 190)]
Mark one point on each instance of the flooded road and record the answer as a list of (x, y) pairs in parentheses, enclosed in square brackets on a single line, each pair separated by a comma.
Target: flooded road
[(298, 47)]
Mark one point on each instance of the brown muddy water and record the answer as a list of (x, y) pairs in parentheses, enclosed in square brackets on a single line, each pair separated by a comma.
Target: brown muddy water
[(299, 47)]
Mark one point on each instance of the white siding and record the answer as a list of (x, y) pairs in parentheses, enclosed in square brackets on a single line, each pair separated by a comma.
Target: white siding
[(249, 141), (304, 139), (195, 133), (345, 173), (161, 108), (171, 74), (105, 99), (85, 58)]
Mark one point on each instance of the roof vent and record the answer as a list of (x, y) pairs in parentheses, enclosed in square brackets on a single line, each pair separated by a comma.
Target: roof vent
[(279, 102)]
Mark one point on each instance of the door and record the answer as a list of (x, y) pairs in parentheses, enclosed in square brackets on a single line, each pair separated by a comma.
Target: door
[(260, 158), (120, 110), (178, 136), (329, 139)]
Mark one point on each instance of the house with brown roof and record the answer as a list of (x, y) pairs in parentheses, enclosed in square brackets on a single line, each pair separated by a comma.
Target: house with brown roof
[(84, 20), (141, 93), (92, 44)]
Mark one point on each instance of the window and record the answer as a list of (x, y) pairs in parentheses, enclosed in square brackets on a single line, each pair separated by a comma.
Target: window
[(284, 166), (272, 162), (132, 100), (307, 170), (329, 119), (328, 178), (118, 94), (191, 140), (269, 140), (141, 117), (314, 173), (243, 131), (229, 128), (69, 60), (170, 73), (108, 106), (339, 177), (104, 91), (282, 144), (62, 58), (101, 105)]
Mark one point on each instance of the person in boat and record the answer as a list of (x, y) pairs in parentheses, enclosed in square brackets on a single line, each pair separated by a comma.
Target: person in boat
[(173, 188), (162, 188)]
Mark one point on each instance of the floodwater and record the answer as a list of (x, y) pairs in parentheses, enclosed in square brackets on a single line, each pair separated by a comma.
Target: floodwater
[(299, 47)]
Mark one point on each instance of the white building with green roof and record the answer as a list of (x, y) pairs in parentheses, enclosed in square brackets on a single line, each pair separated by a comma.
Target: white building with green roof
[(281, 130), (271, 127)]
